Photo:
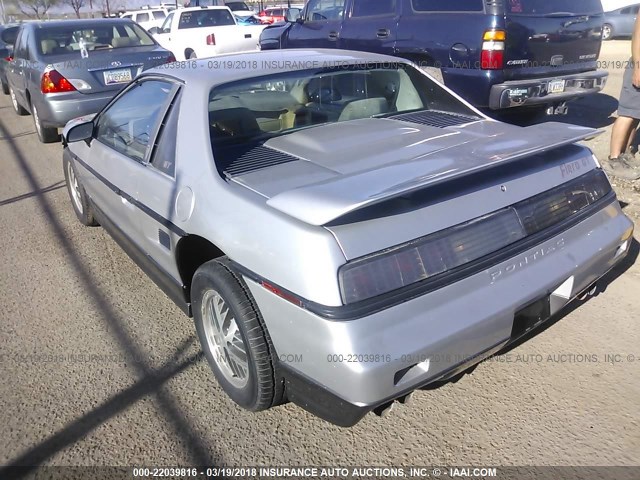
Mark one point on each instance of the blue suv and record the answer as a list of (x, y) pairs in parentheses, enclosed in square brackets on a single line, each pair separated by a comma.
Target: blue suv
[(498, 54)]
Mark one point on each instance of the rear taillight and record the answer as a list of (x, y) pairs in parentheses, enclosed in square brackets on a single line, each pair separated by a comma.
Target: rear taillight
[(171, 59), (211, 39), (8, 59), (492, 57), (54, 82)]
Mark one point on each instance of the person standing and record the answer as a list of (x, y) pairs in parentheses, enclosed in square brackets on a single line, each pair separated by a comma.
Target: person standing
[(621, 161)]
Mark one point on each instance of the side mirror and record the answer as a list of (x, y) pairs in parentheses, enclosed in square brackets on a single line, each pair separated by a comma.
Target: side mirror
[(82, 131), (299, 20), (153, 31)]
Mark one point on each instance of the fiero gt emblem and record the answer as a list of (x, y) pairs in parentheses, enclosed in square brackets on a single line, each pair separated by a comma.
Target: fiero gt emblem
[(518, 264)]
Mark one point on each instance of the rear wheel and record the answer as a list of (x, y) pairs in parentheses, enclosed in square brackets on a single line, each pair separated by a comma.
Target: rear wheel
[(5, 88), (607, 32), (16, 106), (234, 337), (45, 134), (192, 55)]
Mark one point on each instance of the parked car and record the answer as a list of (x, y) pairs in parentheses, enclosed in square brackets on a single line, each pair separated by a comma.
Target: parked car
[(248, 21), (279, 14), (620, 22), (149, 17), (497, 55), (64, 69), (241, 9), (199, 32), (343, 228), (8, 34)]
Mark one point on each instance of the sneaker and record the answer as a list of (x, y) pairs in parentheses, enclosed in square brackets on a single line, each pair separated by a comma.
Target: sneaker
[(620, 167), (630, 159)]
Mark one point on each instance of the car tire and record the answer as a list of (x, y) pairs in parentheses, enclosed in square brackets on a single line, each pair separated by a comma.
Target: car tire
[(79, 199), (228, 322), (192, 55), (5, 88), (45, 134), (607, 32), (16, 106)]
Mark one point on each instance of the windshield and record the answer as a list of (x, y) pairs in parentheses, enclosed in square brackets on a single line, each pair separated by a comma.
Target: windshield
[(550, 7), (250, 112), (238, 6), (106, 36)]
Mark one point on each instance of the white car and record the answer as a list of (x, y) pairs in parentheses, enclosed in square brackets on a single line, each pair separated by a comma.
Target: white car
[(149, 17), (199, 32)]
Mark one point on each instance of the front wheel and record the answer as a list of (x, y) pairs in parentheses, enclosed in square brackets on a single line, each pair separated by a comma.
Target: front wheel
[(607, 32), (5, 88), (234, 338), (77, 194)]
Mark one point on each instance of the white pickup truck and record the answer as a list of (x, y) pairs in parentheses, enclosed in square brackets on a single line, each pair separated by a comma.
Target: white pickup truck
[(199, 32)]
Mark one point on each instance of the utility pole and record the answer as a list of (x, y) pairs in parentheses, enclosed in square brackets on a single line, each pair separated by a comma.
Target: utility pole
[(4, 20)]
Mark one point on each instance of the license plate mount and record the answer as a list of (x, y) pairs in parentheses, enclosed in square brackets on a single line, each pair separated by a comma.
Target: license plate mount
[(531, 316), (113, 77), (556, 86)]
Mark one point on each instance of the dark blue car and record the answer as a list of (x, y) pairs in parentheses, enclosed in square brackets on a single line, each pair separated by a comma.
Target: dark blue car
[(497, 54)]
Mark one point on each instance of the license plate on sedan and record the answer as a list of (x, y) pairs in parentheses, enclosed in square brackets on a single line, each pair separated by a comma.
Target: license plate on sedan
[(556, 86), (117, 76)]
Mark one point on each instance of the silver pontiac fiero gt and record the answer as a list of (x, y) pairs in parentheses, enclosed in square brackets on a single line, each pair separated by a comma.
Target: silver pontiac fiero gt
[(343, 229)]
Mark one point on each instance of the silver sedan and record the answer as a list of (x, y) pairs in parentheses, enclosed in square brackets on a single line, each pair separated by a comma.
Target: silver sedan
[(342, 228)]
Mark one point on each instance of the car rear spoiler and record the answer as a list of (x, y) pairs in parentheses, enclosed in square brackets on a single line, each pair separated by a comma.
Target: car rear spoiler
[(324, 202)]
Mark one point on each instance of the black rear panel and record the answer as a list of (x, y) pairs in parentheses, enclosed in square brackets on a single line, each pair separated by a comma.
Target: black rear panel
[(549, 37)]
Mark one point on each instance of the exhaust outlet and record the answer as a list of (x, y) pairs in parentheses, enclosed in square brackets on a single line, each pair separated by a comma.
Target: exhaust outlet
[(384, 409)]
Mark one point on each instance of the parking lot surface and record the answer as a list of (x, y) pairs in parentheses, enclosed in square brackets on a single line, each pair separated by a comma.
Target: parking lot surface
[(100, 368)]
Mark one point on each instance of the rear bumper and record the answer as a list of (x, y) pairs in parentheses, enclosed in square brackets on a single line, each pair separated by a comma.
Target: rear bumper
[(55, 110), (341, 370), (520, 93)]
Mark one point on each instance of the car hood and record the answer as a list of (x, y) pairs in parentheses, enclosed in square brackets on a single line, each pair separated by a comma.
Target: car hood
[(322, 173)]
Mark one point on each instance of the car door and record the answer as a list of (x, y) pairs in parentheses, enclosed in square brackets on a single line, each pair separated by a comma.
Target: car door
[(18, 66), (371, 26), (111, 164), (320, 26), (157, 189)]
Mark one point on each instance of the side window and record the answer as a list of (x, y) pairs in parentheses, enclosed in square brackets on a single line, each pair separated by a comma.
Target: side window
[(440, 6), (158, 14), (323, 10), (166, 25), (164, 156), (370, 8), (142, 17), (128, 125), (635, 9), (625, 11)]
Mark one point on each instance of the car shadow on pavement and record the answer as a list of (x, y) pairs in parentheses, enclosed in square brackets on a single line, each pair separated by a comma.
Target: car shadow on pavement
[(151, 380), (602, 285), (24, 196)]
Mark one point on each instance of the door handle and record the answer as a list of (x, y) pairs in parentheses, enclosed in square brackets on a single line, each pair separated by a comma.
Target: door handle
[(383, 33), (333, 36)]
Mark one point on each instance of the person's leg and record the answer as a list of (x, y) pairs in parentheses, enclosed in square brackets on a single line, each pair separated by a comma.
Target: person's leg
[(631, 147), (621, 135)]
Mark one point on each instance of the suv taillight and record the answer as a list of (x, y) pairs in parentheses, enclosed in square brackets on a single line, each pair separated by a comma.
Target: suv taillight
[(211, 39), (54, 82), (493, 43)]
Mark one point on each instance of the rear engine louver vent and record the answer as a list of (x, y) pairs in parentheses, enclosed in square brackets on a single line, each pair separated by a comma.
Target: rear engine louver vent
[(256, 159), (434, 118)]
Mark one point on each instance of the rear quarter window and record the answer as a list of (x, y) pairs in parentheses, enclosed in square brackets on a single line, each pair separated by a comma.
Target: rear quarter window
[(448, 6)]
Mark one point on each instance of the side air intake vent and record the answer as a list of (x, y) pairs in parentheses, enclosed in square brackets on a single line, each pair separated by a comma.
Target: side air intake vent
[(434, 118)]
